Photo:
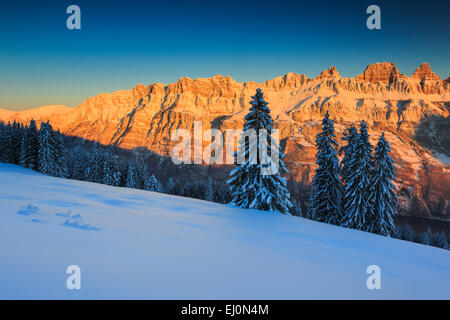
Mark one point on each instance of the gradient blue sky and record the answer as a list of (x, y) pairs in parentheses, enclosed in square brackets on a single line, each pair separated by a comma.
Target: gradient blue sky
[(123, 43)]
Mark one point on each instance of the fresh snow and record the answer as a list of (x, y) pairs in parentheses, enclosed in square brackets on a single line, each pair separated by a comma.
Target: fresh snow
[(135, 244)]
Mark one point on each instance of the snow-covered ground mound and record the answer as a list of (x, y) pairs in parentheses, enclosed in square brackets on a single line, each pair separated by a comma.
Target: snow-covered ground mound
[(138, 244)]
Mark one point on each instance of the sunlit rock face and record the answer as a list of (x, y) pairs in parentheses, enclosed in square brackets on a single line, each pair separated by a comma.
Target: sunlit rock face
[(380, 72), (412, 111)]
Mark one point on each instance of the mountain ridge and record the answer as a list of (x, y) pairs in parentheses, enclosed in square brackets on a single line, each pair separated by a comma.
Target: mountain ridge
[(412, 111)]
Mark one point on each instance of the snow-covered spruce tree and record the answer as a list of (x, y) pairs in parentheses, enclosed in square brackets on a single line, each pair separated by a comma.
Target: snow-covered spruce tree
[(30, 147), (187, 190), (350, 135), (111, 173), (383, 197), (4, 142), (211, 190), (438, 239), (251, 184), (47, 150), (132, 180), (80, 162), (10, 140), (223, 193), (174, 187), (151, 183), (45, 159), (3, 129), (406, 233), (195, 190), (325, 203), (52, 153), (357, 206), (94, 171), (142, 172), (60, 156), (16, 141)]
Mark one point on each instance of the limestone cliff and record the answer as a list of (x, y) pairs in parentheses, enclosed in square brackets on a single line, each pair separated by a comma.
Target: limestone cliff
[(412, 111)]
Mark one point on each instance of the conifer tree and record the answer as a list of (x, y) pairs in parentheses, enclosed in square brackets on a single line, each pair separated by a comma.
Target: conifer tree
[(141, 174), (94, 171), (256, 182), (383, 197), (132, 176), (3, 141), (437, 239), (211, 190), (11, 138), (357, 206), (174, 187), (326, 189), (111, 173), (350, 135), (16, 141), (151, 183), (52, 153), (30, 147), (80, 161), (406, 233), (47, 150), (60, 155)]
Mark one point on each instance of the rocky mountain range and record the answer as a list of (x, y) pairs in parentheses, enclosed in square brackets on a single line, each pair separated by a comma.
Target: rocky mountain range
[(412, 111)]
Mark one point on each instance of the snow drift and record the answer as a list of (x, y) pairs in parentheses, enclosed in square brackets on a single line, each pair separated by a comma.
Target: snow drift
[(134, 244)]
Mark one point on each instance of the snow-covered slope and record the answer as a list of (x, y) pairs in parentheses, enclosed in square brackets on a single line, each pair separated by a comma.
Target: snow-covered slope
[(137, 244)]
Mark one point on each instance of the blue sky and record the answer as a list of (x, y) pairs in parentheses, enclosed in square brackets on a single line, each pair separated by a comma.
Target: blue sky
[(123, 43)]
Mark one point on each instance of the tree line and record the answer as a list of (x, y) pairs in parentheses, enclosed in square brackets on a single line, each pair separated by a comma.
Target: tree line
[(357, 192), (44, 150)]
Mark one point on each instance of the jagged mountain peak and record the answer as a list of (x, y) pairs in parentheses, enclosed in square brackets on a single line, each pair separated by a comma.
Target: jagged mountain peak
[(329, 73), (385, 72), (424, 72)]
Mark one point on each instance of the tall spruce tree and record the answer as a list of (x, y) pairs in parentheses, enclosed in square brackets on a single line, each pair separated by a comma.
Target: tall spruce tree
[(211, 190), (326, 189), (110, 172), (141, 174), (383, 195), (60, 155), (3, 141), (30, 147), (151, 183), (252, 184), (80, 161), (94, 171), (132, 179), (350, 136), (357, 206), (174, 186), (10, 140), (47, 150), (16, 141)]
